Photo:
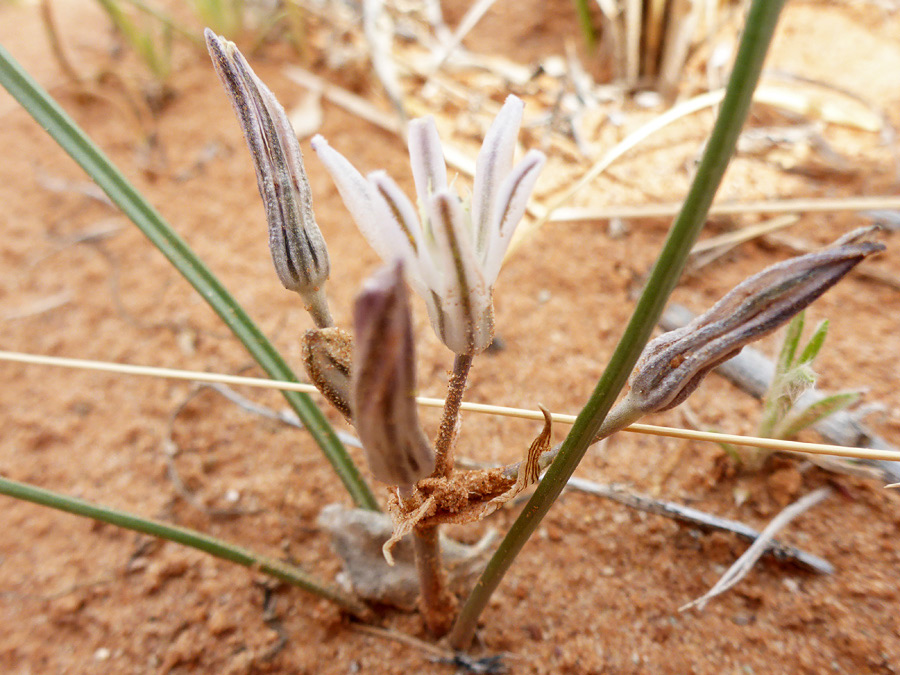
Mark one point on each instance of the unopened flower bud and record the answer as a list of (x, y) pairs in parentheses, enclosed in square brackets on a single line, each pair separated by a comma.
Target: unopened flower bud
[(673, 365), (384, 382), (298, 249), (327, 354)]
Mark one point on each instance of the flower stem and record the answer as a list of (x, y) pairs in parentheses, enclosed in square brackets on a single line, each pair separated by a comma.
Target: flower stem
[(182, 535), (443, 444), (438, 604), (761, 21), (316, 304)]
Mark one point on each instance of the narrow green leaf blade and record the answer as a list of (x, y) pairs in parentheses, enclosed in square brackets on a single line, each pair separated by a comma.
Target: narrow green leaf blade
[(761, 20), (789, 347), (184, 536), (814, 346), (41, 106), (796, 422)]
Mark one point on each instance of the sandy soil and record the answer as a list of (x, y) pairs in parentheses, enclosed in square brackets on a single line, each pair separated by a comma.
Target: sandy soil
[(598, 589)]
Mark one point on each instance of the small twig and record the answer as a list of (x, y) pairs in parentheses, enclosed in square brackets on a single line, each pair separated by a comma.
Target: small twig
[(403, 638), (725, 242), (60, 185), (273, 621), (41, 306), (283, 416), (702, 520), (471, 18), (745, 563), (342, 98)]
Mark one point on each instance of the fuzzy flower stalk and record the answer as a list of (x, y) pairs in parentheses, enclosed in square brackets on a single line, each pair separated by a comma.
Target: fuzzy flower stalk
[(297, 247), (452, 250)]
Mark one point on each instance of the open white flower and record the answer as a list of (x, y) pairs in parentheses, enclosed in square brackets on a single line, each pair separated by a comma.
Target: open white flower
[(452, 256)]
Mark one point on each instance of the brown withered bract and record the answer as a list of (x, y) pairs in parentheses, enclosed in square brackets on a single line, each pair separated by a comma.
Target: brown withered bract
[(673, 365), (327, 356)]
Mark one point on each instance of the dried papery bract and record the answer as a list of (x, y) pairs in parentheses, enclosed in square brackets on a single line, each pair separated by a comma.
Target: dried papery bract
[(298, 249), (452, 255), (327, 356), (673, 365), (383, 383)]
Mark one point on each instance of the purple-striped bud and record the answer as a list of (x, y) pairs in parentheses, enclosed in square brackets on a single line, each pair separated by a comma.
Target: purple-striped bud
[(383, 382), (673, 365), (298, 249)]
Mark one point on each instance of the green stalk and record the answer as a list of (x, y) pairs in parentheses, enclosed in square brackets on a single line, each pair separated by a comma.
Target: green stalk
[(98, 166), (182, 535), (584, 21), (761, 21)]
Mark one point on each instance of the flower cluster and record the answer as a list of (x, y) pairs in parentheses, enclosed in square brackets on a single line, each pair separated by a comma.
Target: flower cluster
[(452, 251)]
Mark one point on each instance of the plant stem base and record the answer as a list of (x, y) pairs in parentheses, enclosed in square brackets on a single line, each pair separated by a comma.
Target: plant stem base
[(438, 604)]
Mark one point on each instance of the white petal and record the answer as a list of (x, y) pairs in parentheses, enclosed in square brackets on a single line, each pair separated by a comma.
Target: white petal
[(358, 197), (512, 198), (400, 225), (427, 159), (465, 323), (494, 163)]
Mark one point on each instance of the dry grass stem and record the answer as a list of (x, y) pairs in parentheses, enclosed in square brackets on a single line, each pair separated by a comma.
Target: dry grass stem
[(768, 206), (729, 240), (470, 19), (503, 411), (701, 519), (745, 563)]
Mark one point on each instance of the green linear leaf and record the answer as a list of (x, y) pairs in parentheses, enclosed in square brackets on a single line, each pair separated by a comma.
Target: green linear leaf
[(182, 535), (811, 351), (75, 142), (760, 26), (796, 422), (789, 345)]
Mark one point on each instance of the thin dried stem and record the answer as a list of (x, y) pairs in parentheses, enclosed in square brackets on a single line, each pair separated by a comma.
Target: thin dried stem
[(745, 563), (438, 604), (504, 411), (700, 519), (766, 206)]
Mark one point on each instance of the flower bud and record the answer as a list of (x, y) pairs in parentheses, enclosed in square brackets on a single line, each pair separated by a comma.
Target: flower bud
[(326, 355), (673, 365), (383, 382), (298, 249)]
